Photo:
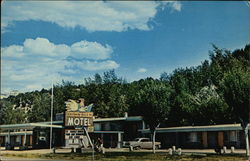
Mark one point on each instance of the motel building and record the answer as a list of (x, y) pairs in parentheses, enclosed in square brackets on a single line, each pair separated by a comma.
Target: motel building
[(114, 131)]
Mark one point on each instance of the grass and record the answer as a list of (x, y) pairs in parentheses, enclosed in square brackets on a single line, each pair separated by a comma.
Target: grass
[(132, 156)]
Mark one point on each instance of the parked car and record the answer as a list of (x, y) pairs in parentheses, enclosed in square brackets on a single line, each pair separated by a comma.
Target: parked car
[(142, 143)]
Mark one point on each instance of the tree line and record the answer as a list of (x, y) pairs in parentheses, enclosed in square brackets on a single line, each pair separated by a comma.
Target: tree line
[(214, 92)]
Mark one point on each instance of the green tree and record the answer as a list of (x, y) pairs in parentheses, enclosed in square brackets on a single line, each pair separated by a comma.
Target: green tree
[(107, 93), (117, 101), (207, 107), (235, 86), (153, 103), (9, 115), (179, 99), (41, 106)]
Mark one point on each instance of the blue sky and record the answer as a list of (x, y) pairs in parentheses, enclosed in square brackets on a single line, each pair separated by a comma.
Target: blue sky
[(44, 41)]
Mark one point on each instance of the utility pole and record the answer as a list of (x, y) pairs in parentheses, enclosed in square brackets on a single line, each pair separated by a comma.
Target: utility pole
[(51, 116)]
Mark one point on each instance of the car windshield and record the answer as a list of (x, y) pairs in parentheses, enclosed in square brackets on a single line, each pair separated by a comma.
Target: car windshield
[(137, 139)]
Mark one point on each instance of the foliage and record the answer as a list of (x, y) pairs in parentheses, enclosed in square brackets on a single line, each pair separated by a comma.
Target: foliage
[(217, 91), (152, 101), (9, 115), (235, 86), (207, 107)]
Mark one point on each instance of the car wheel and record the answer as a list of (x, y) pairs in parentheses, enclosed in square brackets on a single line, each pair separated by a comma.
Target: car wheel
[(131, 148), (138, 148)]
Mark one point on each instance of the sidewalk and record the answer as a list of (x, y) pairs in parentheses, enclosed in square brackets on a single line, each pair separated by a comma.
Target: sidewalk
[(211, 151), (33, 151)]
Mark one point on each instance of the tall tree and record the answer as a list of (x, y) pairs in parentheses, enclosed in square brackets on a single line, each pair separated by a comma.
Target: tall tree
[(9, 115), (236, 89), (40, 107), (153, 103), (207, 107), (179, 98)]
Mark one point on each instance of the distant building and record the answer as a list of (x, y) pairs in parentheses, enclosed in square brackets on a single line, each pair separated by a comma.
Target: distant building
[(11, 93), (14, 93), (24, 106), (4, 96)]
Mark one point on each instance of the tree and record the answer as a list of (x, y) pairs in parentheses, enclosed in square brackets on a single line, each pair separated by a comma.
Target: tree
[(9, 115), (153, 103), (179, 99), (207, 107), (111, 77), (107, 92), (117, 101), (235, 86), (40, 107), (98, 78)]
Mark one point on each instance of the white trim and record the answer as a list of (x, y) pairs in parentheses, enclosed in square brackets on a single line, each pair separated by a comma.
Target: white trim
[(223, 127)]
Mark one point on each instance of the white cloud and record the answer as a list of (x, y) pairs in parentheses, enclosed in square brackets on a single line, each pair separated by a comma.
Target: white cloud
[(39, 46), (93, 65), (176, 6), (93, 16), (248, 4), (13, 51), (43, 47), (142, 70), (33, 87), (35, 63), (91, 50)]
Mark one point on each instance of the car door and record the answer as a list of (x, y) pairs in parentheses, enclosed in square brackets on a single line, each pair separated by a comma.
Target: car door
[(149, 144), (145, 143)]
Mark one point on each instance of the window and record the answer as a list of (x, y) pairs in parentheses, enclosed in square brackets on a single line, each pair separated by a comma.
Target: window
[(193, 137), (137, 139), (97, 126), (233, 136), (18, 139), (144, 140)]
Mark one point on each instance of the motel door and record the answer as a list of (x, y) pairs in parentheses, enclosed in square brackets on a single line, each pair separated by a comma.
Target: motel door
[(212, 139)]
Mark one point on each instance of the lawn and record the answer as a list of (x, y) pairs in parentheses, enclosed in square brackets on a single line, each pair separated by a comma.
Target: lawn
[(132, 156)]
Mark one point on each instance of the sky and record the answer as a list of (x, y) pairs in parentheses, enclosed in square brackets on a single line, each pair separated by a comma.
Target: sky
[(50, 41)]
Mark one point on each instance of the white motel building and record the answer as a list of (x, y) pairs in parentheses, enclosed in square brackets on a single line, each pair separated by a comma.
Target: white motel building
[(113, 131)]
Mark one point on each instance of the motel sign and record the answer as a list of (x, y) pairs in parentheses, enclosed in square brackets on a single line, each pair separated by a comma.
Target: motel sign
[(78, 119), (78, 115)]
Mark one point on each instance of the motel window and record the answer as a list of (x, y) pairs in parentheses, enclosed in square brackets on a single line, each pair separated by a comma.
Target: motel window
[(233, 136), (97, 126), (116, 126), (193, 137), (106, 126), (42, 133), (18, 139)]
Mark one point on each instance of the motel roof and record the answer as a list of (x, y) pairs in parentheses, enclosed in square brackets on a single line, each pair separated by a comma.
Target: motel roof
[(108, 132), (58, 124), (28, 126), (130, 118), (16, 133), (223, 127)]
